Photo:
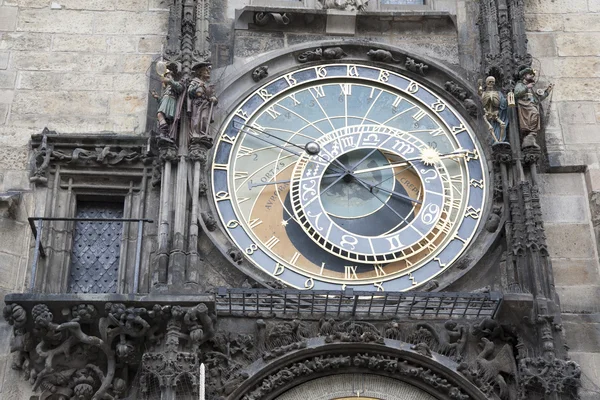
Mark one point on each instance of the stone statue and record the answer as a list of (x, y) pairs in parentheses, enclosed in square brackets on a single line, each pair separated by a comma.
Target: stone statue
[(529, 101), (169, 108), (495, 107), (203, 100), (346, 5)]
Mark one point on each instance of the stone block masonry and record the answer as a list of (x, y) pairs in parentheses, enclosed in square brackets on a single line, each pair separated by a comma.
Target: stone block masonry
[(76, 66), (564, 39)]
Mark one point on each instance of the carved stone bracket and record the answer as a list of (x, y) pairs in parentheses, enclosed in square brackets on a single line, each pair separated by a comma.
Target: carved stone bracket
[(50, 149), (81, 349)]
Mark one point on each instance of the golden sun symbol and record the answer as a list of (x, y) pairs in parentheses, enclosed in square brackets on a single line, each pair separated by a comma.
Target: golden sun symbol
[(430, 156)]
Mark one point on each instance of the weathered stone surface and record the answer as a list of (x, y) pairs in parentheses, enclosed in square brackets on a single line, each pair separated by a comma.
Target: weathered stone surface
[(7, 79), (542, 44), (3, 113), (544, 22), (9, 264), (576, 133), (132, 5), (587, 22), (122, 44), (72, 81), (128, 103), (590, 367), (13, 157), (56, 21), (555, 7), (584, 336), (574, 67), (565, 209), (578, 44), (35, 61), (89, 4), (81, 43), (162, 5), (594, 5), (248, 44), (16, 180), (580, 298), (575, 272), (8, 18), (570, 240), (4, 57), (12, 234), (150, 44), (25, 41), (61, 102), (577, 112), (136, 63), (130, 82), (6, 96), (121, 22), (576, 89), (592, 179)]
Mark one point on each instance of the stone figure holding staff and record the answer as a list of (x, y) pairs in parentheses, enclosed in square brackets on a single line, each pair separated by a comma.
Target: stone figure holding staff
[(203, 100), (529, 105), (169, 105)]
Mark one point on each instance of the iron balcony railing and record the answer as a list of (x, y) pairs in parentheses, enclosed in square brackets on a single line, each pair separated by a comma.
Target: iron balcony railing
[(350, 303), (37, 226)]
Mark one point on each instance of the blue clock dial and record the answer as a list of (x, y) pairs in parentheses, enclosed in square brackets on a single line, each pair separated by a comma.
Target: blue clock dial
[(346, 175)]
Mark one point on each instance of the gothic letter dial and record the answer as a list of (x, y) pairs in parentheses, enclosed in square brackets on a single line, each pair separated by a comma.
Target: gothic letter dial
[(346, 175)]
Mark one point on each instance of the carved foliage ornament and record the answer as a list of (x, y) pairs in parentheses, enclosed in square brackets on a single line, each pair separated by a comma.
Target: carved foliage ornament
[(69, 358)]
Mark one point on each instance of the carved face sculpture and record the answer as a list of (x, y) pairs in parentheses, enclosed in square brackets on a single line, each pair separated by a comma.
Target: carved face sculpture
[(204, 73), (345, 175)]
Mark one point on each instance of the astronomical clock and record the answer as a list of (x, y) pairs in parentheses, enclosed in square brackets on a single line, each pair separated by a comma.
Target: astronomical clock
[(344, 175)]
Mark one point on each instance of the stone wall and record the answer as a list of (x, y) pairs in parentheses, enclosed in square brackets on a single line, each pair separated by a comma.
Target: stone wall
[(74, 66), (563, 37)]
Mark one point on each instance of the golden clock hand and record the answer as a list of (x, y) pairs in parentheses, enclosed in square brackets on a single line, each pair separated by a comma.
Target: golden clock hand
[(311, 148), (405, 162)]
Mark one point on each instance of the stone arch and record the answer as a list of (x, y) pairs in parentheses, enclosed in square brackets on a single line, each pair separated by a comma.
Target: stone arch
[(436, 377)]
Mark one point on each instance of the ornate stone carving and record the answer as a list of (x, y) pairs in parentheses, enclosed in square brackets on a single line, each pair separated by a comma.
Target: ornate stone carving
[(417, 68), (493, 221), (381, 55), (450, 341), (331, 53), (262, 18), (209, 221), (67, 358), (461, 94), (46, 153), (549, 375), (260, 73), (377, 362), (355, 331), (346, 5), (493, 375)]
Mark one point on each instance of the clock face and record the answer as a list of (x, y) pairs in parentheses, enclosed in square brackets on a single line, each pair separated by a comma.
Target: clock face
[(348, 176)]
